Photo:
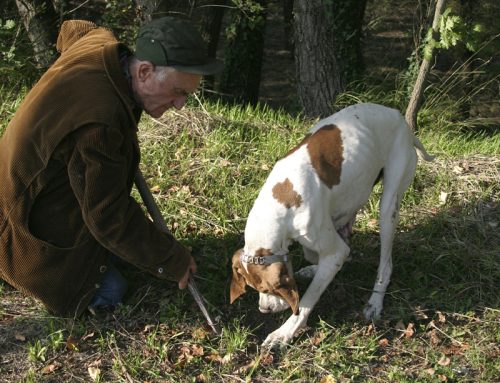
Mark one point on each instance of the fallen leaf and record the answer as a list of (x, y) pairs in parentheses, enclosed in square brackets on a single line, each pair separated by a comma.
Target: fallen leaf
[(317, 338), (434, 337), (213, 357), (430, 371), (155, 189), (442, 378), (266, 359), (148, 328), (441, 317), (200, 378), (94, 372), (224, 163), (328, 379), (71, 343), (197, 350), (444, 361), (369, 330), (88, 336), (443, 197), (420, 313), (20, 337), (49, 369), (227, 358), (95, 363), (409, 330), (199, 333), (400, 326), (384, 342)]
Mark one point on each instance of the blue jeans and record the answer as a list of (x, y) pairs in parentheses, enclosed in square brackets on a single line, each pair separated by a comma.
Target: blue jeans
[(112, 288)]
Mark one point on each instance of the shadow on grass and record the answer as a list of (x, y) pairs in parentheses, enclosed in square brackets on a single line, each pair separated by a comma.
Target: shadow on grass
[(447, 262)]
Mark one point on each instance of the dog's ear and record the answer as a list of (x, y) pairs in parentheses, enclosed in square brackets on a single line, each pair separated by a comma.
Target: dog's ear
[(290, 293), (238, 283)]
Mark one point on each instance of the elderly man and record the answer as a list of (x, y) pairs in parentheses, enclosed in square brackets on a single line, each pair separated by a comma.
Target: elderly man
[(67, 164)]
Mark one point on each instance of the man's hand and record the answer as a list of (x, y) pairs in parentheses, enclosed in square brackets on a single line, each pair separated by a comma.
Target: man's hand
[(190, 270)]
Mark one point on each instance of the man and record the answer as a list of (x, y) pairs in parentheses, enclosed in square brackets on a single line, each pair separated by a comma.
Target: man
[(68, 158)]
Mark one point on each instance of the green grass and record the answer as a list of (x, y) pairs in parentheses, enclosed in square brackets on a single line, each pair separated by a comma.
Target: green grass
[(205, 165)]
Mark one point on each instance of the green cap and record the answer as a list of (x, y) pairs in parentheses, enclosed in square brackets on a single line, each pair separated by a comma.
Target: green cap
[(175, 42)]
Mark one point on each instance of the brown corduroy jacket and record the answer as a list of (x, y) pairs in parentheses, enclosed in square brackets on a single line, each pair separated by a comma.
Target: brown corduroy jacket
[(67, 162)]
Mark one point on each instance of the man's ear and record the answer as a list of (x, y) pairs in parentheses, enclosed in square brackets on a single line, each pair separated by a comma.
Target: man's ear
[(238, 283), (144, 70)]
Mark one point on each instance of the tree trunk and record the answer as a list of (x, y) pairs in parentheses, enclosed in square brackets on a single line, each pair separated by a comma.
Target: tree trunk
[(240, 79), (318, 76), (417, 93), (39, 19)]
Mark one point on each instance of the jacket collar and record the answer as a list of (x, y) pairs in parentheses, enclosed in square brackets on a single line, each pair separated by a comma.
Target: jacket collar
[(114, 70)]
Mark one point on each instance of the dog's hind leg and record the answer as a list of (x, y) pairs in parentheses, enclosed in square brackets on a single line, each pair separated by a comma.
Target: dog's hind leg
[(398, 175), (308, 272)]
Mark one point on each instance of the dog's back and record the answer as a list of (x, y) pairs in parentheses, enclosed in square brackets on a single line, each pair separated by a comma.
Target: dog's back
[(353, 144)]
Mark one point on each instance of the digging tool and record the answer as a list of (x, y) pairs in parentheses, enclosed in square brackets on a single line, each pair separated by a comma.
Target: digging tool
[(155, 213)]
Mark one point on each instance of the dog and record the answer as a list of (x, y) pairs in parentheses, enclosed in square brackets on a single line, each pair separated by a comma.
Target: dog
[(312, 196)]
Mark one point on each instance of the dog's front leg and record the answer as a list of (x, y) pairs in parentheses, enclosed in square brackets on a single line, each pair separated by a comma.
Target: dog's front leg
[(328, 265)]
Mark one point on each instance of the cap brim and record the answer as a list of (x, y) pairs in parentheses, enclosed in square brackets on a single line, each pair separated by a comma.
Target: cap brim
[(212, 67)]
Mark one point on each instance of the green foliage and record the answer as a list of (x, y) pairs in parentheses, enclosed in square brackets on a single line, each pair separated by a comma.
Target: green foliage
[(14, 53), (122, 18), (248, 11), (452, 30)]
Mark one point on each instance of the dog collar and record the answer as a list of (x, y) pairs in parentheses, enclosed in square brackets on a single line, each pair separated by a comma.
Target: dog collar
[(266, 260)]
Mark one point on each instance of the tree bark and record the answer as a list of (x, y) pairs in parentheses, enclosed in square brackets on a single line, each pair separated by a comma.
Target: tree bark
[(318, 76), (417, 93), (39, 19)]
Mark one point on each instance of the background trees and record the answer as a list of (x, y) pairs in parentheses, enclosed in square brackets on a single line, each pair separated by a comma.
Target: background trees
[(324, 38)]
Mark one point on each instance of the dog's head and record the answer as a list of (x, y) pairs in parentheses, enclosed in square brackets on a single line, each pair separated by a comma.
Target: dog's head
[(272, 279)]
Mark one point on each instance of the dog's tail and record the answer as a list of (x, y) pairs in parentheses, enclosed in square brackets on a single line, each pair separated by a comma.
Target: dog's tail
[(421, 152)]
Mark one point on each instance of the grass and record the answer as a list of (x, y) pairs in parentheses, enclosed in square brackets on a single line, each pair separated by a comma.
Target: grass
[(205, 165)]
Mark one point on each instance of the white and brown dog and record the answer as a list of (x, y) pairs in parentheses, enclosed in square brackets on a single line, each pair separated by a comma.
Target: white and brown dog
[(312, 196)]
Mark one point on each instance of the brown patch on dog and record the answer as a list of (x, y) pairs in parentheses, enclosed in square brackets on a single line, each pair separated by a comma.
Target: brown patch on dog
[(261, 252), (283, 193), (325, 149), (304, 141)]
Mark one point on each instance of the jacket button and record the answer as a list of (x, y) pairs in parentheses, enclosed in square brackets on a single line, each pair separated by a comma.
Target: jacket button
[(103, 269), (160, 270)]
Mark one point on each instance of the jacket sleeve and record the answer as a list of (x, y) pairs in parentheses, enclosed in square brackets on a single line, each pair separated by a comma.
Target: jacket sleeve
[(98, 173)]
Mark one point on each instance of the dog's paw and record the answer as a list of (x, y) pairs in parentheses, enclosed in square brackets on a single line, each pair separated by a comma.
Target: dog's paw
[(277, 339), (307, 272), (374, 307), (372, 311)]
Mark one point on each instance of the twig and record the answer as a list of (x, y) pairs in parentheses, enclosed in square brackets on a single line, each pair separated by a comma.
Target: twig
[(118, 358)]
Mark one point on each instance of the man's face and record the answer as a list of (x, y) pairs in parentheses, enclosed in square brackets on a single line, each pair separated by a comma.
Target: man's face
[(156, 96)]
